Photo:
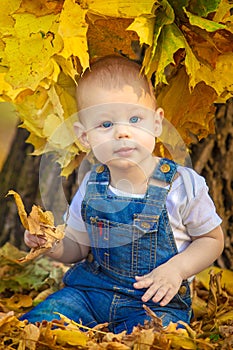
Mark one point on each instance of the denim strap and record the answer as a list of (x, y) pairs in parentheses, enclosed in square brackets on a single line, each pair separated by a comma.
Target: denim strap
[(165, 170), (99, 179)]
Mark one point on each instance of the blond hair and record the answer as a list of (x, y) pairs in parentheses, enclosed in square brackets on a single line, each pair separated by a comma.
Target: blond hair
[(113, 72)]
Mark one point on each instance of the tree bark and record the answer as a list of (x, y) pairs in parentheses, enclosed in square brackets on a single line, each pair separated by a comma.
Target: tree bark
[(19, 173), (213, 158), (37, 180)]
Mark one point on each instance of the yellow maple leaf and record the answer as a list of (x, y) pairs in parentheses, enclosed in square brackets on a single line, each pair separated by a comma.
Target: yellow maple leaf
[(121, 8), (6, 90), (30, 49), (8, 7), (226, 317), (34, 109), (214, 76), (144, 26), (18, 301), (71, 337), (73, 164), (223, 11), (191, 113), (63, 134), (38, 142), (179, 341), (73, 30)]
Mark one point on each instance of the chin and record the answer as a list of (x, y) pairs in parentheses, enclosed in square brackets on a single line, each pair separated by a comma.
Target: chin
[(121, 163)]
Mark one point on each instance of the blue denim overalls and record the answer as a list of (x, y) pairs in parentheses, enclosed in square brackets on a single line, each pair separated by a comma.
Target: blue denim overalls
[(129, 237)]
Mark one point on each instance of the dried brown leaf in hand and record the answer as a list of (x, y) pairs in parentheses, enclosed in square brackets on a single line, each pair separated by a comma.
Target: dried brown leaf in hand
[(39, 223), (20, 206)]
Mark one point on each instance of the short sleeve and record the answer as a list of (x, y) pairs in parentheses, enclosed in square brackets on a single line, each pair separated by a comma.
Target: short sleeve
[(75, 220), (199, 215)]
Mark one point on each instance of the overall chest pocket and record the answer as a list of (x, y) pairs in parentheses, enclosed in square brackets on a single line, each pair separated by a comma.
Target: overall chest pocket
[(111, 243), (146, 223), (127, 249)]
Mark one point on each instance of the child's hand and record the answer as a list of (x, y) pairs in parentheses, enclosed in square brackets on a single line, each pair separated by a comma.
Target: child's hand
[(33, 241), (163, 284)]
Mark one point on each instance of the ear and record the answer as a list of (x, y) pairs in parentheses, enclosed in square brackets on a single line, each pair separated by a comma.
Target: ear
[(159, 115), (81, 134)]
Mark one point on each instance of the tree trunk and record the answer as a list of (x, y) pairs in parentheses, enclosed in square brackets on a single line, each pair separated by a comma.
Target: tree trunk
[(38, 182), (213, 158), (20, 173)]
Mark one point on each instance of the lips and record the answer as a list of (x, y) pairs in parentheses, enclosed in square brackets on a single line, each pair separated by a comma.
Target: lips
[(124, 151)]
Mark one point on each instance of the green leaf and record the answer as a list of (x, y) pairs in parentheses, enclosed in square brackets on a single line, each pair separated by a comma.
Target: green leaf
[(16, 277), (170, 40), (164, 15), (203, 23), (214, 337), (203, 7)]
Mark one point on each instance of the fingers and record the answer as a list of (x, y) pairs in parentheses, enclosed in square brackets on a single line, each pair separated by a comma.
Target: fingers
[(143, 282), (159, 291), (33, 241), (167, 297), (162, 294)]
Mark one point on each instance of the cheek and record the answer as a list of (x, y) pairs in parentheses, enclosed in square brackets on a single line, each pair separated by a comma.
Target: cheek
[(101, 147), (99, 141), (146, 140), (150, 145)]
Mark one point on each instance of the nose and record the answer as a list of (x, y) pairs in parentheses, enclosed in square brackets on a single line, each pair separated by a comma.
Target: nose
[(122, 131)]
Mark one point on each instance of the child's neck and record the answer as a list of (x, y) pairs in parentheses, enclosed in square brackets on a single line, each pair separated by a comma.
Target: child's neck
[(133, 179)]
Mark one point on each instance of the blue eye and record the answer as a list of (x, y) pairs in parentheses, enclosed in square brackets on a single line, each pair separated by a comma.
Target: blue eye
[(134, 119), (106, 125)]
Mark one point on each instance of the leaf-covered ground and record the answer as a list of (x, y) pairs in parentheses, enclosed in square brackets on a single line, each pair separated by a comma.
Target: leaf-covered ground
[(24, 285)]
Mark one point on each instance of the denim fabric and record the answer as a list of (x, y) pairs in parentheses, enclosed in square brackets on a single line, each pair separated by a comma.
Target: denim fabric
[(129, 236)]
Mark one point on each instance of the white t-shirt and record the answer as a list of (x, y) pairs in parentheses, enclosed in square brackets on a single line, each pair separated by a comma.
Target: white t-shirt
[(190, 209)]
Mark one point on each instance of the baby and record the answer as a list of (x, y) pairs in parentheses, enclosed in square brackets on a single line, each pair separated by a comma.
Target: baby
[(139, 226)]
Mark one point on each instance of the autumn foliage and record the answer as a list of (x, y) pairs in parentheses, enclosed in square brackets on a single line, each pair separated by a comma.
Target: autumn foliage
[(23, 286), (26, 281), (45, 45), (185, 47)]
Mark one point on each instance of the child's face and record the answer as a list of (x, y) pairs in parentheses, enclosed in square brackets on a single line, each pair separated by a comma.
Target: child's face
[(119, 126)]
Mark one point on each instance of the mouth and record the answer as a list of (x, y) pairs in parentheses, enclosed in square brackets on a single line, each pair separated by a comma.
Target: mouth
[(124, 151)]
